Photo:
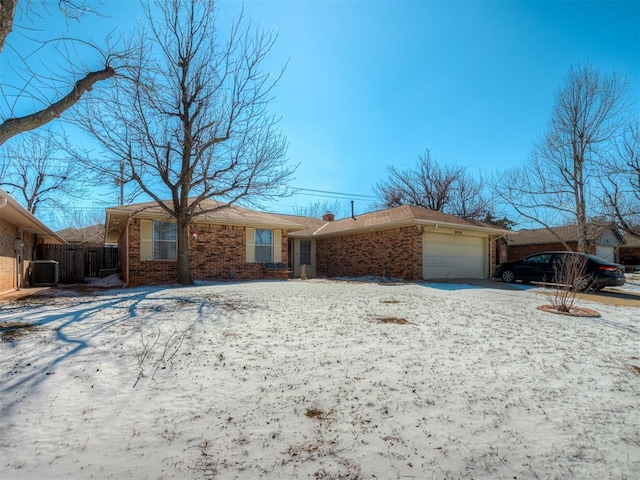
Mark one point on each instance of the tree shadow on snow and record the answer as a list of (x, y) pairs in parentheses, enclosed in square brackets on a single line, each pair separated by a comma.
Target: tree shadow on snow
[(75, 319)]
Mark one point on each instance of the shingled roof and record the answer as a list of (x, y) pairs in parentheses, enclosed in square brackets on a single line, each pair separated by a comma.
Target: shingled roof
[(568, 233), (211, 212), (392, 218), (631, 241), (92, 235)]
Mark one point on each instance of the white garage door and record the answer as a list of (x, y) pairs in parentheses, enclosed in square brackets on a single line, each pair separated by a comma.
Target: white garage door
[(608, 253), (452, 256)]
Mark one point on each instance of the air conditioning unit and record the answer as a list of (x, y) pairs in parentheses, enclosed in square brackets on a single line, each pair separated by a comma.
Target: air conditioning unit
[(44, 273)]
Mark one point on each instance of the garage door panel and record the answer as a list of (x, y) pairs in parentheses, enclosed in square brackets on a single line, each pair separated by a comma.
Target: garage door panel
[(453, 256), (608, 253)]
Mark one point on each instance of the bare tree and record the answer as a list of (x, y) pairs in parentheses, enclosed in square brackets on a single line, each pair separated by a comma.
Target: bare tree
[(48, 96), (82, 217), (448, 189), (564, 289), (32, 169), (558, 181), (318, 208), (191, 121), (621, 181)]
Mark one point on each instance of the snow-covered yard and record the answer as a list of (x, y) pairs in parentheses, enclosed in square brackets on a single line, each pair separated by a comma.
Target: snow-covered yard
[(317, 379)]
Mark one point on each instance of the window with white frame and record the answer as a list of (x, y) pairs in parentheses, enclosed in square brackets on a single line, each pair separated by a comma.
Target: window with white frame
[(264, 245), (165, 241)]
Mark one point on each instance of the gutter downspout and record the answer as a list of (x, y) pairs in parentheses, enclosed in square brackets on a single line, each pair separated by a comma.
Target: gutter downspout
[(19, 255)]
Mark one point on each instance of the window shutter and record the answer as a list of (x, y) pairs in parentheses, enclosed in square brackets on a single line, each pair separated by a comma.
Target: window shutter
[(277, 245), (146, 240), (251, 244)]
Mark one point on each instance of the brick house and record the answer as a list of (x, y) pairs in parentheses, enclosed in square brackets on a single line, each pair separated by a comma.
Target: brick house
[(405, 242), (235, 243), (602, 240), (20, 233), (92, 236), (629, 251), (229, 243)]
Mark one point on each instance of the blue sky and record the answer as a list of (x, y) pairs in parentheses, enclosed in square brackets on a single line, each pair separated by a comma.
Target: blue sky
[(374, 83)]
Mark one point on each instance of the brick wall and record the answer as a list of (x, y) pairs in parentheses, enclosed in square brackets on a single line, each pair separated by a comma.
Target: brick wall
[(629, 255), (395, 253), (516, 252), (218, 253), (8, 234)]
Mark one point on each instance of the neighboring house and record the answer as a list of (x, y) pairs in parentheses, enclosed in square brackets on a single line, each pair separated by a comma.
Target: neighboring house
[(229, 243), (92, 236), (405, 242), (235, 243), (20, 233), (629, 252), (602, 240)]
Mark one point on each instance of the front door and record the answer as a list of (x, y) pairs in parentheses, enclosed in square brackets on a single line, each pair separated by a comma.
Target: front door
[(304, 255)]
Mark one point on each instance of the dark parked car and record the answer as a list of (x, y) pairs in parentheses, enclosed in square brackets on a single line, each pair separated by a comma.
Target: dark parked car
[(591, 272)]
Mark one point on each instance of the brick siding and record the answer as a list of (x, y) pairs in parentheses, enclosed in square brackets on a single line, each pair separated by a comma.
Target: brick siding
[(517, 252), (218, 253), (8, 234), (629, 255), (395, 253)]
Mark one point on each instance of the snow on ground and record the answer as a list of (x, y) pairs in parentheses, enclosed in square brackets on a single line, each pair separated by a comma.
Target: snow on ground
[(317, 379)]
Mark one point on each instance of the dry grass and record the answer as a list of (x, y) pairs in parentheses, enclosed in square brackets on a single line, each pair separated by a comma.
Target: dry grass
[(317, 414), (11, 331), (393, 320)]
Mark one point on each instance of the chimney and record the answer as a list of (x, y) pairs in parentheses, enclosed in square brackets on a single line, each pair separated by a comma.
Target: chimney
[(328, 217)]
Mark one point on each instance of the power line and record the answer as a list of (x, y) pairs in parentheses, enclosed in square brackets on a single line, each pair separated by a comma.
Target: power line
[(342, 194)]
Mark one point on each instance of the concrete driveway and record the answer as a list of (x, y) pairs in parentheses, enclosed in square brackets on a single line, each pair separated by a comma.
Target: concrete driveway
[(614, 297), (16, 294), (610, 296)]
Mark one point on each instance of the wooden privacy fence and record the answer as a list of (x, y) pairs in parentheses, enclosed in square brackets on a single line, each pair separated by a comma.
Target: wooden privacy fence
[(76, 262)]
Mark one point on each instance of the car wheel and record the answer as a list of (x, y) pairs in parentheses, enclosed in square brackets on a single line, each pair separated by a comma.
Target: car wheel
[(508, 276), (584, 283)]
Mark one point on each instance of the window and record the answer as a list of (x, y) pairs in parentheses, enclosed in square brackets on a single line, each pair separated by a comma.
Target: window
[(165, 241), (539, 259), (264, 245), (305, 252)]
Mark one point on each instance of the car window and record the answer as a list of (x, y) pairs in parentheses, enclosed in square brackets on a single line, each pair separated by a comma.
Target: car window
[(538, 259)]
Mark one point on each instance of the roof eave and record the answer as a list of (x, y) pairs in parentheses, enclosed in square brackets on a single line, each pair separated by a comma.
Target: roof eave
[(478, 228), (400, 224), (33, 224), (112, 212)]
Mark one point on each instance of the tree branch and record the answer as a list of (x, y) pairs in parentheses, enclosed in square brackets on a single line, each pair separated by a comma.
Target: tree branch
[(14, 126)]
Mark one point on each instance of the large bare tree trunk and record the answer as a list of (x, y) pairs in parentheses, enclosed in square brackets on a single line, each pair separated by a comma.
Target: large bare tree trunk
[(183, 260), (7, 12)]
